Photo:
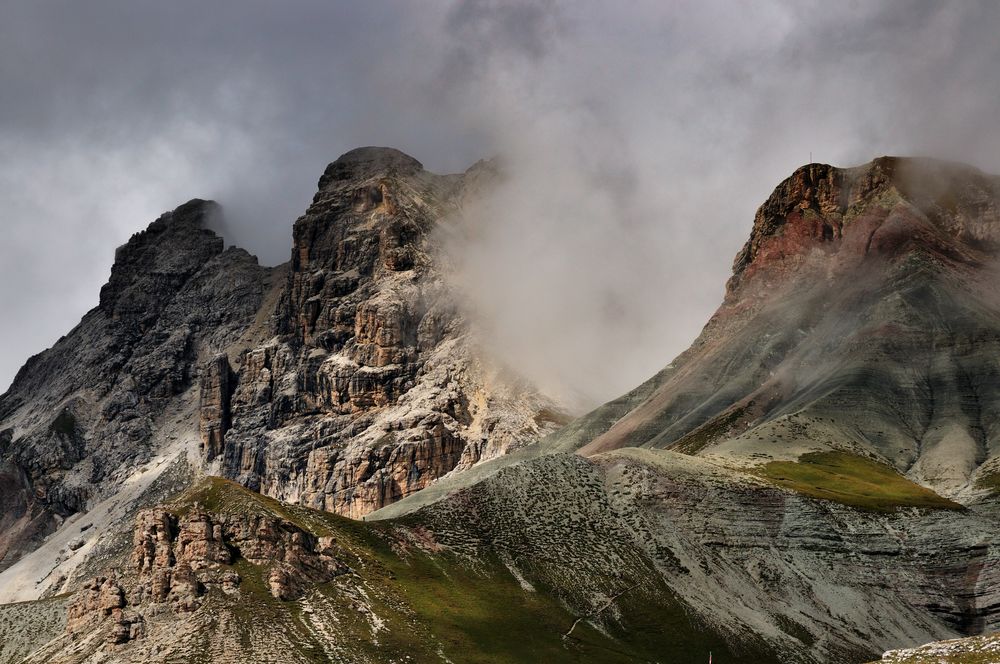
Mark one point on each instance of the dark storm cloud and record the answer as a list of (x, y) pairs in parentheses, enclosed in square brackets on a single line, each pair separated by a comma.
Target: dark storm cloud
[(641, 138)]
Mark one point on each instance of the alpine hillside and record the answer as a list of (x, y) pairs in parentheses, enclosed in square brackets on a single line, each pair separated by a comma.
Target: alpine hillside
[(814, 480)]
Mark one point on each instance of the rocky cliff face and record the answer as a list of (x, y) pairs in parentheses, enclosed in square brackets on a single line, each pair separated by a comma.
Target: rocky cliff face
[(345, 380), (372, 386), (863, 301), (87, 414), (179, 558)]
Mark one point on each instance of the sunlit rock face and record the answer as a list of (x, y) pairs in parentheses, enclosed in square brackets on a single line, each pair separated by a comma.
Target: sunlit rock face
[(372, 386)]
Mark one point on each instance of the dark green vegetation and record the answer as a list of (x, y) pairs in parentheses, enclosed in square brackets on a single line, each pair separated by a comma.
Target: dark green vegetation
[(709, 432), (853, 480), (408, 594)]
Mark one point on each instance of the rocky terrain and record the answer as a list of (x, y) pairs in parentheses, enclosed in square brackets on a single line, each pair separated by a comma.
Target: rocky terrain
[(971, 650), (814, 480), (634, 555), (367, 593), (864, 304), (343, 380), (372, 387)]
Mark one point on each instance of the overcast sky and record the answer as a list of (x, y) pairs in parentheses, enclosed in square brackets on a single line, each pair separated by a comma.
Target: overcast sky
[(642, 136)]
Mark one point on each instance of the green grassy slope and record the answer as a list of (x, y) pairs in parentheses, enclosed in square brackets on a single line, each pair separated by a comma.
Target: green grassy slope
[(434, 602), (852, 480)]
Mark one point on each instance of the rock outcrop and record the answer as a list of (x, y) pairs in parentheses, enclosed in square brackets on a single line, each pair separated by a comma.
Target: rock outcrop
[(214, 404), (100, 600), (178, 560), (828, 220)]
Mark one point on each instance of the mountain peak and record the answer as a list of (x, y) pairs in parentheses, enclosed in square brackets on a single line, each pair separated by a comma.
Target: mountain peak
[(365, 162), (829, 217), (156, 261)]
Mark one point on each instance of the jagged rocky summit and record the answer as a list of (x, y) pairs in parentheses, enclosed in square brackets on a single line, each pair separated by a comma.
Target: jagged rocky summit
[(862, 315), (372, 387), (343, 380)]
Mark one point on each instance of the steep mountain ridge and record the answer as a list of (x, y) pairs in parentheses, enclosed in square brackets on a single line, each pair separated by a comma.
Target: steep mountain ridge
[(83, 417), (343, 380), (863, 302), (373, 387)]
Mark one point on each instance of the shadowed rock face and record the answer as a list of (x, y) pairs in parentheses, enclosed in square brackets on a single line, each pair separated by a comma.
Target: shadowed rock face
[(84, 415), (864, 302)]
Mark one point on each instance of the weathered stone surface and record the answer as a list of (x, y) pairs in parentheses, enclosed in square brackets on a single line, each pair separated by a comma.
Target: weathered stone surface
[(86, 414), (178, 559), (864, 305), (827, 218), (216, 392), (100, 601), (373, 386)]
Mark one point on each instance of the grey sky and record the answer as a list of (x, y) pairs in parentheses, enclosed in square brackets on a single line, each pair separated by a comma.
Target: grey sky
[(643, 136)]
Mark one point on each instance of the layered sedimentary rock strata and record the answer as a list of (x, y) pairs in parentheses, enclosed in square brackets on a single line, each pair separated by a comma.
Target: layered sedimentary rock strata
[(864, 305)]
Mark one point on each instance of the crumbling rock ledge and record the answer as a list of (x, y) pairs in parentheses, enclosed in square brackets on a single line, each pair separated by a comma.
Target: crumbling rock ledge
[(179, 559)]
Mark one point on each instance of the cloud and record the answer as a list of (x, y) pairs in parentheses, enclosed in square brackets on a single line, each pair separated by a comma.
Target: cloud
[(639, 139)]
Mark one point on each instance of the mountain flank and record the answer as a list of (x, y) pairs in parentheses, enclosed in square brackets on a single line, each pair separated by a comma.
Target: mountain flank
[(343, 380)]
